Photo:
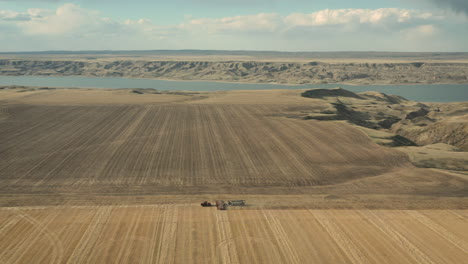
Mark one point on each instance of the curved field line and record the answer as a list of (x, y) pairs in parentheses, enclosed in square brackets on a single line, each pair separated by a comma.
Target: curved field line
[(53, 238), (282, 237), (440, 230), (35, 235), (9, 223), (86, 244), (225, 254), (417, 255), (340, 237)]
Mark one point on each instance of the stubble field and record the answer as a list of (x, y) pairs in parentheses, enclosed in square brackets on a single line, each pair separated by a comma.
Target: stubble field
[(189, 234), (89, 177)]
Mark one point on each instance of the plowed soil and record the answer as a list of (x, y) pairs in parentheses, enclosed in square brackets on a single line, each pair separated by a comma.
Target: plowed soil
[(92, 176)]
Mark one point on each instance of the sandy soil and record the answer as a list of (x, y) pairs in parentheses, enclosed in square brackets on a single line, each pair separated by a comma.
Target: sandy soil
[(93, 176)]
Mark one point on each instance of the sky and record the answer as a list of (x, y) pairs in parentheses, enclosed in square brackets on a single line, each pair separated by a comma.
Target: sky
[(281, 25)]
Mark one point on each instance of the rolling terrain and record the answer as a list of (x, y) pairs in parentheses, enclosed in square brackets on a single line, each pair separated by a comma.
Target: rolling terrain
[(67, 143), (313, 72), (117, 176)]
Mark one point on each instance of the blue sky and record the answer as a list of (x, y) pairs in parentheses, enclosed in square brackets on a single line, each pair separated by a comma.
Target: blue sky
[(173, 11), (382, 25)]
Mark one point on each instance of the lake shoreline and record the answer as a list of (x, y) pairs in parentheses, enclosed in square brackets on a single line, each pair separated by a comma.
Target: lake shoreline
[(422, 93), (376, 83)]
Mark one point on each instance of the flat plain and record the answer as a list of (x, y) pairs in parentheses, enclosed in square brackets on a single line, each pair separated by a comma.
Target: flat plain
[(113, 176)]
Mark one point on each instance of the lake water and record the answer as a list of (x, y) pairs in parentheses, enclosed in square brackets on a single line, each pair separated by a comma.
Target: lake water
[(422, 93)]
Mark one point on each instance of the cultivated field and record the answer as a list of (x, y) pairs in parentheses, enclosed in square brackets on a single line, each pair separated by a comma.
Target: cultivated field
[(91, 176), (180, 148), (191, 234)]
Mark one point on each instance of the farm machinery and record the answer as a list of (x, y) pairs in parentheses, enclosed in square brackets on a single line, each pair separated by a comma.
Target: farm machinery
[(222, 205)]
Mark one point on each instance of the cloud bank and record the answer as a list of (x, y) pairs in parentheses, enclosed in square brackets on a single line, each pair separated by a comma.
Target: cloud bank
[(72, 27)]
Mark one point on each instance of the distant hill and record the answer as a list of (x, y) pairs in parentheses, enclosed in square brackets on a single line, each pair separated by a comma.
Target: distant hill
[(264, 54)]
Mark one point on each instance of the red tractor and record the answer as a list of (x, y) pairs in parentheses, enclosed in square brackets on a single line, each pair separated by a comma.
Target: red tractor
[(206, 204)]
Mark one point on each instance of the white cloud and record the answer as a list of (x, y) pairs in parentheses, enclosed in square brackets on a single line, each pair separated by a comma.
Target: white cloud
[(372, 17), (253, 23), (73, 27), (68, 18)]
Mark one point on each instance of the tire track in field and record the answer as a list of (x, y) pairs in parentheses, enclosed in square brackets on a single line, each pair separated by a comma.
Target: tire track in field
[(90, 237), (164, 156), (9, 223), (121, 139), (321, 147), (167, 238), (298, 141), (139, 145), (339, 236), (69, 133), (99, 130), (229, 128), (458, 215), (55, 241), (39, 122), (97, 148), (256, 142), (226, 250), (126, 241), (278, 159), (76, 140), (198, 167), (440, 230), (417, 255), (118, 160), (219, 149), (262, 240), (102, 138), (293, 147), (179, 150), (35, 234), (246, 247), (282, 238), (156, 124), (58, 131), (156, 219), (154, 173), (212, 158)]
